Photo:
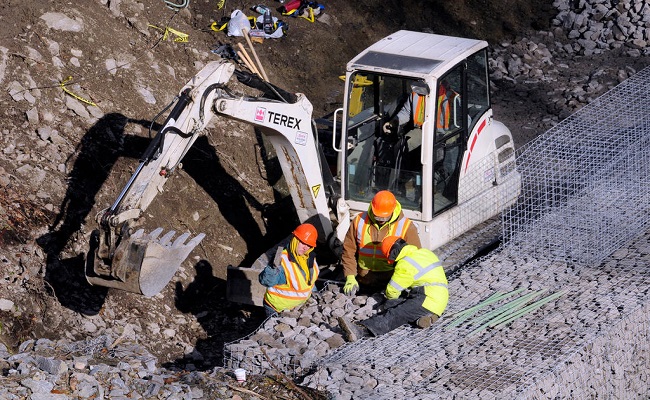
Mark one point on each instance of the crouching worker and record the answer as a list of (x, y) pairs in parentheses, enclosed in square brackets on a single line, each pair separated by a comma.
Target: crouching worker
[(416, 269), (291, 276)]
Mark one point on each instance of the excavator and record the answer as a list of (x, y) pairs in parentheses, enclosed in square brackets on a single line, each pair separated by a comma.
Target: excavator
[(452, 171)]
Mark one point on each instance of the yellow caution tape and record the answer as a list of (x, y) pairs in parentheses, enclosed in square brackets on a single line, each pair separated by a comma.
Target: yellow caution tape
[(180, 36), (220, 4), (309, 18), (215, 26), (65, 89)]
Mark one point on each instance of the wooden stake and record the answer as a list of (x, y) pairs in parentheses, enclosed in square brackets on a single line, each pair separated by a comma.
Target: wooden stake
[(247, 59), (250, 44)]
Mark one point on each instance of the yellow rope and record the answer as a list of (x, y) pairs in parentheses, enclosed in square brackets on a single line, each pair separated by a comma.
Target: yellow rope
[(180, 36), (309, 17), (65, 89)]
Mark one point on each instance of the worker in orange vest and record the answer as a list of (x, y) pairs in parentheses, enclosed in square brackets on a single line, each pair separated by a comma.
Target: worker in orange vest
[(447, 101), (291, 277), (363, 262), (413, 112)]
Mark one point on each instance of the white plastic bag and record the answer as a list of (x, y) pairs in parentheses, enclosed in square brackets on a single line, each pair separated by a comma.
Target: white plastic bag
[(238, 22)]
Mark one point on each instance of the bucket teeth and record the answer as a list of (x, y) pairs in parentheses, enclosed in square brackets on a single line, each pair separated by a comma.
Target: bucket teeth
[(145, 263)]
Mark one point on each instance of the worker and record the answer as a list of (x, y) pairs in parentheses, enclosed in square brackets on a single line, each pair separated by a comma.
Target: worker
[(408, 120), (362, 259), (290, 278), (417, 271), (447, 100)]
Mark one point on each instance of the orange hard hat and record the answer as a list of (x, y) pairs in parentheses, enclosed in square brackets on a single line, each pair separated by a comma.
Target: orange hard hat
[(307, 234), (383, 204), (394, 243)]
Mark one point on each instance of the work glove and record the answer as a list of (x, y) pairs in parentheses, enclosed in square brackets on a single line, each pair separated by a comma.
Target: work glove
[(351, 286)]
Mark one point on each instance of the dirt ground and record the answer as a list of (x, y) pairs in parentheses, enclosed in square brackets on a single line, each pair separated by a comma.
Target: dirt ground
[(229, 186)]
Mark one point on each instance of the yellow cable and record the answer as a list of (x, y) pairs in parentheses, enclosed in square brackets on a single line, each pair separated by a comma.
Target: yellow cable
[(217, 28), (74, 95), (180, 36), (309, 18)]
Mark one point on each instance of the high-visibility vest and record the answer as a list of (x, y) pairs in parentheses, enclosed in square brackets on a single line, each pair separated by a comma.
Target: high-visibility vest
[(370, 255), (418, 109), (420, 267), (445, 104), (296, 290)]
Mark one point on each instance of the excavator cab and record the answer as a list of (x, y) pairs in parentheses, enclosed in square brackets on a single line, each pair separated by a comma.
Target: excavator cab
[(385, 157)]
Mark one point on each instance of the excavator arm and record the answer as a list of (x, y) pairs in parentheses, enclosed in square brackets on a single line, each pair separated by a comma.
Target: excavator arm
[(134, 261)]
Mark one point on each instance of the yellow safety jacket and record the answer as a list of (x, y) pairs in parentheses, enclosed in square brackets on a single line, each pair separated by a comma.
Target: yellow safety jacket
[(369, 237), (298, 287), (417, 267)]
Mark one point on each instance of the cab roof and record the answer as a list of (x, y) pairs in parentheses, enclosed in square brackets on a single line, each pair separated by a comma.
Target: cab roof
[(415, 53)]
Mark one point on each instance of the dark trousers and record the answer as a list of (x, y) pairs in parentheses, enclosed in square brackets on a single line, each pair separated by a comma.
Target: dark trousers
[(270, 311), (397, 312)]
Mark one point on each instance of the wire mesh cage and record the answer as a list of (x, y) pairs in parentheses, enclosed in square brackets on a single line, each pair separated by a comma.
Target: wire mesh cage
[(586, 182)]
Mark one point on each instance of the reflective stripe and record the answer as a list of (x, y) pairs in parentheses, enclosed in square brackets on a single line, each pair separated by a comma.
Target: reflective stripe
[(395, 285), (444, 285), (296, 290), (421, 270), (370, 252), (292, 279), (290, 294), (396, 228), (444, 109)]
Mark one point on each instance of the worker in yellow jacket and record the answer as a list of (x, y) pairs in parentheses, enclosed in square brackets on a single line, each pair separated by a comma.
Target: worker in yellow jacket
[(291, 282), (362, 259), (418, 271)]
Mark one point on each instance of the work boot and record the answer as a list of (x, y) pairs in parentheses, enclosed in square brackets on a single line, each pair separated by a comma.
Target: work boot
[(426, 321), (352, 330)]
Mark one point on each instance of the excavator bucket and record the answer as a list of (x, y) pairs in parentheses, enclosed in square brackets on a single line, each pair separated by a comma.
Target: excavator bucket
[(142, 263)]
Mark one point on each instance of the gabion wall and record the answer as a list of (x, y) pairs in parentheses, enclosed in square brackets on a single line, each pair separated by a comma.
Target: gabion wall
[(586, 182)]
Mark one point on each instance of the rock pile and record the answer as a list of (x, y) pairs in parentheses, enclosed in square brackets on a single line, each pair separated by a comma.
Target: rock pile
[(115, 361), (297, 339), (106, 367), (595, 26)]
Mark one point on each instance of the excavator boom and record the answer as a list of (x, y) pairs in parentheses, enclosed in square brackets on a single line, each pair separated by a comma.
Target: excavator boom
[(129, 259), (144, 263)]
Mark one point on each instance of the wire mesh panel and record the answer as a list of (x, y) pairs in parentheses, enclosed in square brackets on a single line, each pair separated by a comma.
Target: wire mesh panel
[(586, 182)]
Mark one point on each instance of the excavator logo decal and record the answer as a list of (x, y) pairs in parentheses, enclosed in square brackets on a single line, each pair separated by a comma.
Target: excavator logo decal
[(277, 118), (315, 189), (260, 113), (301, 138), (284, 120)]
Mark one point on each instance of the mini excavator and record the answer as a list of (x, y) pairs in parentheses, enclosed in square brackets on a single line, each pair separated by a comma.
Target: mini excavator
[(452, 172)]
